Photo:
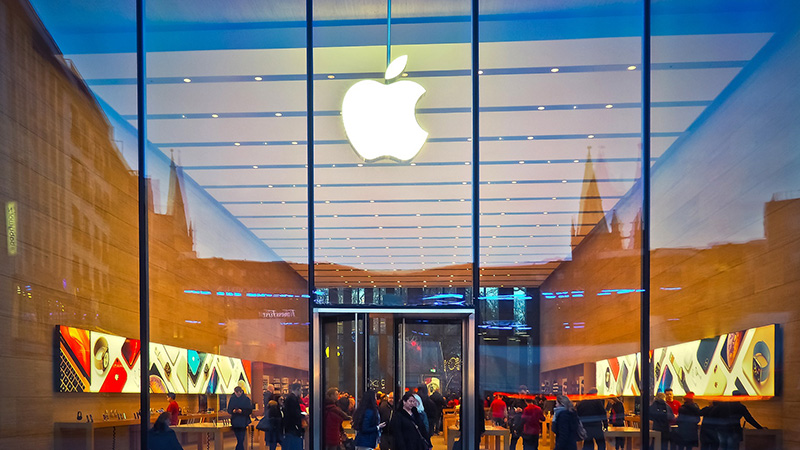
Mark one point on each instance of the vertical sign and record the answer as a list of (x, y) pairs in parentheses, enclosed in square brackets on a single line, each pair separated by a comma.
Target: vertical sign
[(11, 227)]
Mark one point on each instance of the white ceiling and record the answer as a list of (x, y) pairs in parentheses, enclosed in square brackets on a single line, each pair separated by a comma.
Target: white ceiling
[(411, 216)]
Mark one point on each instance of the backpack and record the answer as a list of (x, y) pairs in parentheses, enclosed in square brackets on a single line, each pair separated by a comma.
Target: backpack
[(581, 431)]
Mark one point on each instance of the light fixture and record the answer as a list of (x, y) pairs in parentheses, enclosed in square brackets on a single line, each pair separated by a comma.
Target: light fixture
[(631, 67), (609, 106), (278, 114), (187, 80), (554, 69), (591, 136), (530, 138), (330, 77), (541, 108), (215, 115), (255, 167), (237, 144), (294, 142)]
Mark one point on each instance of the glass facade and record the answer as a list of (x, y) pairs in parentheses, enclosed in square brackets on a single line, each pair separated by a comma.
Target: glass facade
[(335, 245)]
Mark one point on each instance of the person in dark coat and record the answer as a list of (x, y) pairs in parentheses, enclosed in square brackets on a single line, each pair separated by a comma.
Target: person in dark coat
[(240, 407), (293, 429), (386, 410), (407, 427), (709, 427), (688, 419), (730, 431), (661, 416), (616, 418), (367, 422), (161, 436), (565, 424), (440, 403), (274, 435), (592, 414)]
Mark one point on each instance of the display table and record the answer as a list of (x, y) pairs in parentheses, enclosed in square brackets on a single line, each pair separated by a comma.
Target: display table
[(88, 429), (209, 428), (630, 434), (500, 436), (762, 439)]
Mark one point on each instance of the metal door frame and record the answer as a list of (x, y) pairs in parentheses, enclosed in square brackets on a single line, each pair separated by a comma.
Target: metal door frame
[(468, 365)]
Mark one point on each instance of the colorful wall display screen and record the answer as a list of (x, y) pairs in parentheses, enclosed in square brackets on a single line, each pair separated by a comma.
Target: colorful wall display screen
[(741, 362), (89, 361)]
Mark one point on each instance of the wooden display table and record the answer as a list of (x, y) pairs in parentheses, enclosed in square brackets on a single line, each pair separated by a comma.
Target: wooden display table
[(630, 434), (209, 429), (500, 436), (88, 429)]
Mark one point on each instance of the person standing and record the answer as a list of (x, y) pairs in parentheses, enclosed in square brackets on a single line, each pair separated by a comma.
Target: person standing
[(333, 416), (616, 418), (161, 437), (431, 408), (732, 413), (173, 409), (675, 406), (592, 414), (441, 404), (274, 435), (367, 422), (709, 427), (421, 410), (688, 419), (499, 411), (293, 430), (661, 416), (532, 418), (565, 424), (240, 407), (407, 427), (386, 410)]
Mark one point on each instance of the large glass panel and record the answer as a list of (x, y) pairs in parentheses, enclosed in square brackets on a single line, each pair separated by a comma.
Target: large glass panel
[(560, 117), (227, 163), (726, 208), (392, 157), (69, 255)]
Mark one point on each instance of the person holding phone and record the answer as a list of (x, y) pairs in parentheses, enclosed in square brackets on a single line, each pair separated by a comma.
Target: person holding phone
[(240, 407), (367, 422)]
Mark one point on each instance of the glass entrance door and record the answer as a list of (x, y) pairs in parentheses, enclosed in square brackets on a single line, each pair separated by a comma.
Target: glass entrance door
[(392, 352)]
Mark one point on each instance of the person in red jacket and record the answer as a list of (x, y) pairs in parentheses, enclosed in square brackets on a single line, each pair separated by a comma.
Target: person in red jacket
[(333, 416), (499, 411), (532, 418), (173, 409)]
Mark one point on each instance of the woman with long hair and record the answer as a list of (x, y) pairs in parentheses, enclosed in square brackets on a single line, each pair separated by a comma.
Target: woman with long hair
[(565, 424), (407, 428), (367, 422)]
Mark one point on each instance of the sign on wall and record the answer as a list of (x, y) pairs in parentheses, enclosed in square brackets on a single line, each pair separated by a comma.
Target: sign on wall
[(741, 362)]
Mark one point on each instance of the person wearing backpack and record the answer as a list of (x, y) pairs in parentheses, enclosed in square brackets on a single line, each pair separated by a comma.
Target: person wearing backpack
[(566, 425)]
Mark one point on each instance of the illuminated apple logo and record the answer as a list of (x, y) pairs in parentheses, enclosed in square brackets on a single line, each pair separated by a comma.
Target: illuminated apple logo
[(380, 119)]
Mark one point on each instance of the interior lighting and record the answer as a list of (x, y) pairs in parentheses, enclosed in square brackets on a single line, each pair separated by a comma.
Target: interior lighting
[(554, 70), (513, 182), (541, 108), (609, 106), (631, 67), (294, 142), (278, 114), (576, 160), (258, 78), (237, 143), (255, 167), (269, 185), (530, 138), (522, 162), (187, 80), (330, 77), (480, 72), (591, 136), (215, 115)]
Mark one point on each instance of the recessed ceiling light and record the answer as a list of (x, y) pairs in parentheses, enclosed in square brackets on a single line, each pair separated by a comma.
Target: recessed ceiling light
[(187, 80), (237, 144), (215, 115), (269, 185), (466, 163), (294, 142), (577, 160), (255, 167), (554, 69), (513, 182), (265, 143), (545, 213), (591, 136), (258, 78), (563, 181), (331, 76), (631, 67), (541, 108), (413, 164), (522, 162), (469, 139), (405, 74), (278, 114), (554, 198), (530, 138), (327, 201), (480, 72), (463, 182), (360, 165), (500, 139), (609, 106)]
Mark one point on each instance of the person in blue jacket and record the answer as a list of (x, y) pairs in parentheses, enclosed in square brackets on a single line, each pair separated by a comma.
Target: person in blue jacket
[(367, 422)]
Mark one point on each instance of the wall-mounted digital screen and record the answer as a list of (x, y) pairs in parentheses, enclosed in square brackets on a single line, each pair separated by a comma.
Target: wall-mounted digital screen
[(89, 361), (740, 361)]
